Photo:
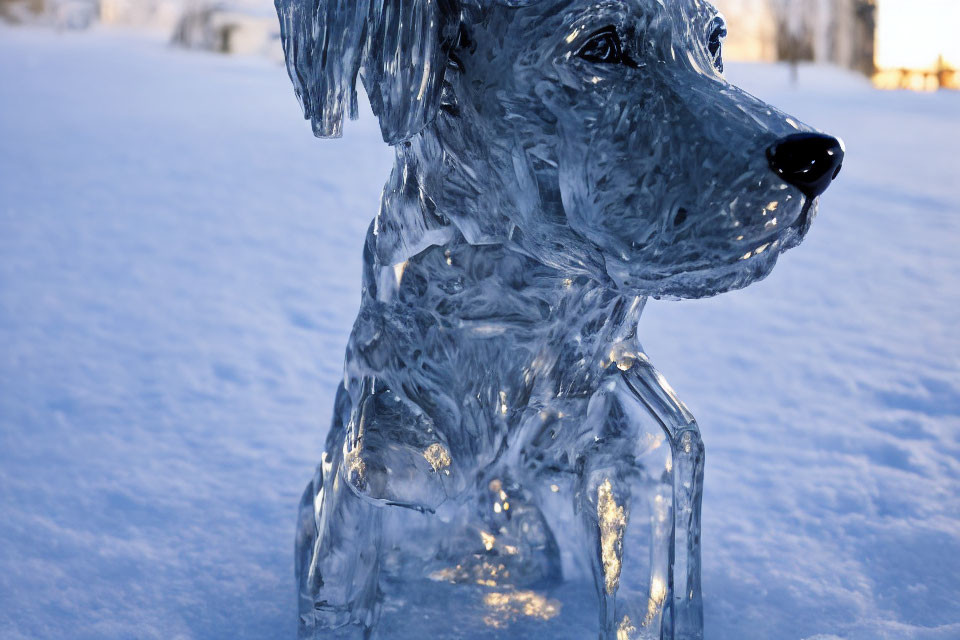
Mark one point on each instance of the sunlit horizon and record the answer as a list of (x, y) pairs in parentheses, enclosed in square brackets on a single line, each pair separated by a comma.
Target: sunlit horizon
[(914, 33)]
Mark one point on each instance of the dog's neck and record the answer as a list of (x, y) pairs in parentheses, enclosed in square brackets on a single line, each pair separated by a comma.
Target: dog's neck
[(540, 321)]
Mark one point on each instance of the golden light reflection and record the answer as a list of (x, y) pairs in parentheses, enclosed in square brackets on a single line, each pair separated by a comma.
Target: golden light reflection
[(658, 593), (501, 505), (489, 540), (398, 270), (356, 467), (508, 606), (485, 574), (625, 629), (613, 523), (438, 457), (622, 354)]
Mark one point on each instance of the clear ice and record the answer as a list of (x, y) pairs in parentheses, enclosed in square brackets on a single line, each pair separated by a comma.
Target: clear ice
[(504, 461)]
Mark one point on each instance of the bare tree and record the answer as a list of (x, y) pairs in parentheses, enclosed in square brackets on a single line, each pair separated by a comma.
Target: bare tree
[(865, 37), (796, 22)]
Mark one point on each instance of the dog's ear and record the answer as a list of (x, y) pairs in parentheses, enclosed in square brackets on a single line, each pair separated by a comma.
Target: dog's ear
[(399, 48)]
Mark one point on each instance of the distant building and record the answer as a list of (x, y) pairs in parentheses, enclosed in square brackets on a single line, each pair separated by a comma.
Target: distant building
[(226, 26), (941, 76), (152, 13), (841, 32), (242, 28), (82, 13), (18, 10)]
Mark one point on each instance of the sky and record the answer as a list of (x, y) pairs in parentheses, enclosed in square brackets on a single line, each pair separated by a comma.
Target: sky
[(912, 33)]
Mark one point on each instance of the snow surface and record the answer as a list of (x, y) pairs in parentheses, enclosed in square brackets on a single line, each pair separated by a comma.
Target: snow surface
[(179, 269)]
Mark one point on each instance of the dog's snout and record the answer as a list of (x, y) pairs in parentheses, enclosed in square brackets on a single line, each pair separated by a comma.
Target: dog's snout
[(808, 161)]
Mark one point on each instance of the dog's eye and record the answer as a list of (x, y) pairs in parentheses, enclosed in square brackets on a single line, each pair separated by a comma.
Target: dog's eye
[(715, 43), (604, 47)]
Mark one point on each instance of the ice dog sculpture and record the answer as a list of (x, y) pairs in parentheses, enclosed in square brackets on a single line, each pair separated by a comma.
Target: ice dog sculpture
[(504, 461)]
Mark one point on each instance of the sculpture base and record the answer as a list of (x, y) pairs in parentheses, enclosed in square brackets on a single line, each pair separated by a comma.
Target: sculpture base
[(429, 609), (413, 610)]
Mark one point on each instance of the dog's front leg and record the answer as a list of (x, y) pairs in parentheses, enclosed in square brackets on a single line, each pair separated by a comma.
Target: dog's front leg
[(607, 501), (338, 539), (337, 558), (638, 497), (684, 618), (624, 499)]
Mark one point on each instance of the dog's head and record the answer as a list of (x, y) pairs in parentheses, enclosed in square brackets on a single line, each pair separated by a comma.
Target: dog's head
[(599, 130)]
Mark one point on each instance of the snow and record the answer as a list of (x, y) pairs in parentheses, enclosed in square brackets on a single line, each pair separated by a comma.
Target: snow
[(180, 269)]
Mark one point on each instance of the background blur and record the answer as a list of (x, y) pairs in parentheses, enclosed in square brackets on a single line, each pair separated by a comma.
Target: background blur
[(179, 271), (899, 43)]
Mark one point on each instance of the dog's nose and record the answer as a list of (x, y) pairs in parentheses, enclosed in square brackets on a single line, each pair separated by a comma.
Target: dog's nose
[(808, 161)]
